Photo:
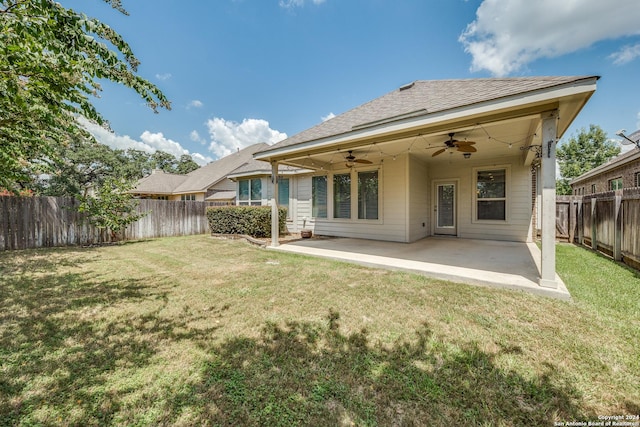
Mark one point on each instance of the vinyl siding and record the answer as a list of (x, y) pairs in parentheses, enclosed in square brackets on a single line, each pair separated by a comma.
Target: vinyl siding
[(391, 225), (418, 201), (519, 206)]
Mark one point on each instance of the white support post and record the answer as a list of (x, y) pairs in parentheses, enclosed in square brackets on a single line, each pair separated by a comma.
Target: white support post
[(548, 181), (274, 206)]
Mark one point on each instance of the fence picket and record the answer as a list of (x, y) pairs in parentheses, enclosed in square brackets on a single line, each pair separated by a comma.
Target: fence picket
[(36, 222)]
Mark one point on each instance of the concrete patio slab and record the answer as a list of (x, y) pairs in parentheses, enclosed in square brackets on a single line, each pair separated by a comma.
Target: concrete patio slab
[(508, 265)]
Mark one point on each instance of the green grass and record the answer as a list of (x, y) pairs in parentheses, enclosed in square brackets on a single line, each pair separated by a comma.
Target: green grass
[(198, 331)]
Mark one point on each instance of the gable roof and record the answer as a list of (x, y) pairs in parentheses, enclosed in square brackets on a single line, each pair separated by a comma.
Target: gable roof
[(199, 180), (422, 98)]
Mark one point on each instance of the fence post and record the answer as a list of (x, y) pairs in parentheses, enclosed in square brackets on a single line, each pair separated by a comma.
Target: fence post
[(572, 220), (580, 222), (594, 223), (617, 238)]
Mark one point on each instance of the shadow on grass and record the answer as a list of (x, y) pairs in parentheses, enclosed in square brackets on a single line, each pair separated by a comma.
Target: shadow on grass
[(311, 374), (60, 361), (57, 352)]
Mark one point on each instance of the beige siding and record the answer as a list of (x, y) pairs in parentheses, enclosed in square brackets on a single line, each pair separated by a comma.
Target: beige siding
[(419, 205), (519, 204), (391, 225)]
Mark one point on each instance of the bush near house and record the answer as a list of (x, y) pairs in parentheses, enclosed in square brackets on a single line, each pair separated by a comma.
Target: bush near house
[(252, 220)]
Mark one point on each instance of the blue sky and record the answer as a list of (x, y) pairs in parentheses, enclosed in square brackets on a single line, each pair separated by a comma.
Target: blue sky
[(240, 72)]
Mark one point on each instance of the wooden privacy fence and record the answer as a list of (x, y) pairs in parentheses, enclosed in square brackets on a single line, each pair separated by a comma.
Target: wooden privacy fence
[(37, 222), (606, 222)]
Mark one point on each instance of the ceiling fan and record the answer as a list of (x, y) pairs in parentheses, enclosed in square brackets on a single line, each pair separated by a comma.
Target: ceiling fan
[(351, 160), (463, 146)]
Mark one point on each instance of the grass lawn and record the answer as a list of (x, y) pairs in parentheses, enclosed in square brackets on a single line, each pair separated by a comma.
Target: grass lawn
[(198, 331)]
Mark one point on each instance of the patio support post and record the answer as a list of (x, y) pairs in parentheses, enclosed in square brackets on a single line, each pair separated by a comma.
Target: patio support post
[(274, 205), (548, 181)]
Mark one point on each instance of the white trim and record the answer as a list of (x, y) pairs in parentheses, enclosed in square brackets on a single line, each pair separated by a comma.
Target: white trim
[(507, 195), (434, 202), (353, 173)]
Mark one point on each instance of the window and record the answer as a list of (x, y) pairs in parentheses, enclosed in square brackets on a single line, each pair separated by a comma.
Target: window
[(342, 195), (250, 192), (283, 194), (593, 188), (615, 183), (636, 179), (368, 195), (491, 194), (188, 197), (319, 196)]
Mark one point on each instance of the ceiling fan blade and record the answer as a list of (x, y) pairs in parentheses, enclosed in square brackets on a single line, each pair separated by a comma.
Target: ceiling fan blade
[(465, 142), (467, 149), (363, 161), (440, 151)]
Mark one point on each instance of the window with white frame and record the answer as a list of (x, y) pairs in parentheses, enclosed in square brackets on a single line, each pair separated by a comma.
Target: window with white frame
[(319, 196), (283, 194), (615, 183), (593, 188), (636, 179), (250, 192), (368, 195), (342, 196), (188, 197), (491, 194)]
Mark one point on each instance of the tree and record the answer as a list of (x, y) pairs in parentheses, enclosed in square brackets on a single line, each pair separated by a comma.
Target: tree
[(186, 165), (51, 59), (583, 152), (111, 207)]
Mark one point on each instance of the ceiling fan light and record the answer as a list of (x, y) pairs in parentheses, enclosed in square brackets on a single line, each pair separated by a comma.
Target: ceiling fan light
[(466, 155)]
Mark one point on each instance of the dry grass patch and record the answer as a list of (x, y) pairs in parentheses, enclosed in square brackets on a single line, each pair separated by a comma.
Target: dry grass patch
[(197, 331)]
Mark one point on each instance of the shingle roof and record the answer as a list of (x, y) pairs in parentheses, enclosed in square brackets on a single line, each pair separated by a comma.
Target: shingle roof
[(159, 182), (198, 180), (222, 195), (206, 176), (259, 167), (617, 161), (424, 97)]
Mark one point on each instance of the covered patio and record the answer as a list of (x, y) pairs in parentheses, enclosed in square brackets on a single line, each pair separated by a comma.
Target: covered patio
[(508, 265)]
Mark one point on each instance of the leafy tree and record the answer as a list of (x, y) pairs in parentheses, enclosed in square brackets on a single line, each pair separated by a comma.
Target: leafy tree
[(82, 165), (51, 59), (164, 161), (111, 207), (185, 165), (583, 152)]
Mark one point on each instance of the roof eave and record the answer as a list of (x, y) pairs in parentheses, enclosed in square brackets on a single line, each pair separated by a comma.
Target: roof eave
[(542, 97)]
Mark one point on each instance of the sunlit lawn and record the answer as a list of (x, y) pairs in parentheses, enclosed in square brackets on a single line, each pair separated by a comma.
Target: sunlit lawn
[(198, 331)]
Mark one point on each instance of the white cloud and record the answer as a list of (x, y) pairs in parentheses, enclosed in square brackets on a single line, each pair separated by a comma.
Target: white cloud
[(164, 76), (288, 4), (227, 136), (328, 117), (509, 34), (626, 54), (195, 137), (195, 104), (149, 142)]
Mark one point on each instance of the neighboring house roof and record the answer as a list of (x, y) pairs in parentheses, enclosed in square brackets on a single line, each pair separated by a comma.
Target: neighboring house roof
[(423, 98), (222, 195), (258, 167), (622, 159), (159, 182), (199, 180)]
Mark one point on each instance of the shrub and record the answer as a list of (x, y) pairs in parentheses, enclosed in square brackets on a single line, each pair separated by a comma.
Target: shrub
[(252, 220)]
